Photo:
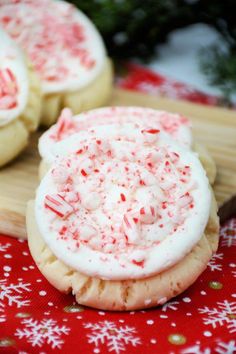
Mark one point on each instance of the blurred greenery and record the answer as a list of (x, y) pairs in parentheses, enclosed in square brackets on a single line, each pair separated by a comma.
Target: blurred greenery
[(220, 68), (133, 28)]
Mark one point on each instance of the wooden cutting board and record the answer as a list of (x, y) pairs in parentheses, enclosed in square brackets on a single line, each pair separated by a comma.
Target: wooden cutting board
[(214, 127)]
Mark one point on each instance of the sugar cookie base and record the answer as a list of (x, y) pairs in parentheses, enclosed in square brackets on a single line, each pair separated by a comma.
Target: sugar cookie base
[(93, 95), (14, 136), (127, 294), (206, 160)]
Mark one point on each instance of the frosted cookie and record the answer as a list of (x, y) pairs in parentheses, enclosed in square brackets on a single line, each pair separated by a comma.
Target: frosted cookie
[(148, 120), (123, 223), (66, 51), (20, 100)]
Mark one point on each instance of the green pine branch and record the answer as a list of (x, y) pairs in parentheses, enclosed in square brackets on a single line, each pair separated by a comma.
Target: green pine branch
[(133, 28)]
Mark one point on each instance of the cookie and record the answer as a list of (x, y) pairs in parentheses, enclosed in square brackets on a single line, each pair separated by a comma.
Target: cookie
[(125, 221), (66, 51), (20, 100), (207, 161), (177, 126), (120, 295)]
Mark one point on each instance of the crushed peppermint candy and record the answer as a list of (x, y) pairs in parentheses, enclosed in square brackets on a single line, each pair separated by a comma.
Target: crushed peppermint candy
[(57, 38), (64, 124), (150, 122), (58, 205), (135, 201), (111, 202), (8, 89)]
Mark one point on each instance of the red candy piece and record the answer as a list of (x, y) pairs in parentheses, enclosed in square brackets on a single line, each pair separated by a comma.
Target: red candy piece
[(83, 173), (8, 89), (122, 197), (57, 204), (152, 131), (64, 123)]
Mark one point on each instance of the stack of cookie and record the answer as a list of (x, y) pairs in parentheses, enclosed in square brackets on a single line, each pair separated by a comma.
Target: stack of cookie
[(20, 99), (124, 216), (67, 53)]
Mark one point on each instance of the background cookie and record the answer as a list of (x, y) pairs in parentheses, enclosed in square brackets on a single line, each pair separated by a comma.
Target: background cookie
[(66, 51), (207, 161), (175, 125), (20, 100)]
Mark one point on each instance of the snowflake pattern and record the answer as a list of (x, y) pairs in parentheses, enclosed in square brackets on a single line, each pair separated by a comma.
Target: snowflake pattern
[(214, 263), (170, 305), (228, 234), (4, 247), (12, 294), (224, 314), (40, 332), (220, 348), (226, 348), (196, 349), (115, 337)]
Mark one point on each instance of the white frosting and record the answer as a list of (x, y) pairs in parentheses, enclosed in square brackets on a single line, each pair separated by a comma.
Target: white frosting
[(13, 80), (175, 125), (126, 204), (63, 44)]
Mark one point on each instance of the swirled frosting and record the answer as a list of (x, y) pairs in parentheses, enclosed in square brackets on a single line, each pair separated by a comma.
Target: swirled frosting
[(174, 125), (13, 80), (62, 43), (126, 203)]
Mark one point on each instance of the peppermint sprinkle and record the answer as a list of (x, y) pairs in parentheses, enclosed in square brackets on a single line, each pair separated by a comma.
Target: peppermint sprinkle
[(151, 131), (57, 204), (122, 197), (8, 89), (130, 228), (64, 123), (83, 173)]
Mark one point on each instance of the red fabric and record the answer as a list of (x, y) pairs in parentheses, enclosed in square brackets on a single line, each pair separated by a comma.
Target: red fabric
[(138, 78), (36, 318)]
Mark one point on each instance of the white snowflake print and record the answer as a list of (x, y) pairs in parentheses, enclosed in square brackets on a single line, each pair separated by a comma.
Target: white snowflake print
[(223, 314), (228, 234), (115, 337), (40, 332), (220, 348), (226, 348), (234, 273), (214, 263), (170, 305), (12, 294), (4, 247), (196, 349)]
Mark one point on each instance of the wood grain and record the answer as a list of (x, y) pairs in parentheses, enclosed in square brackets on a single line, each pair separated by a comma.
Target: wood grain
[(214, 127)]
